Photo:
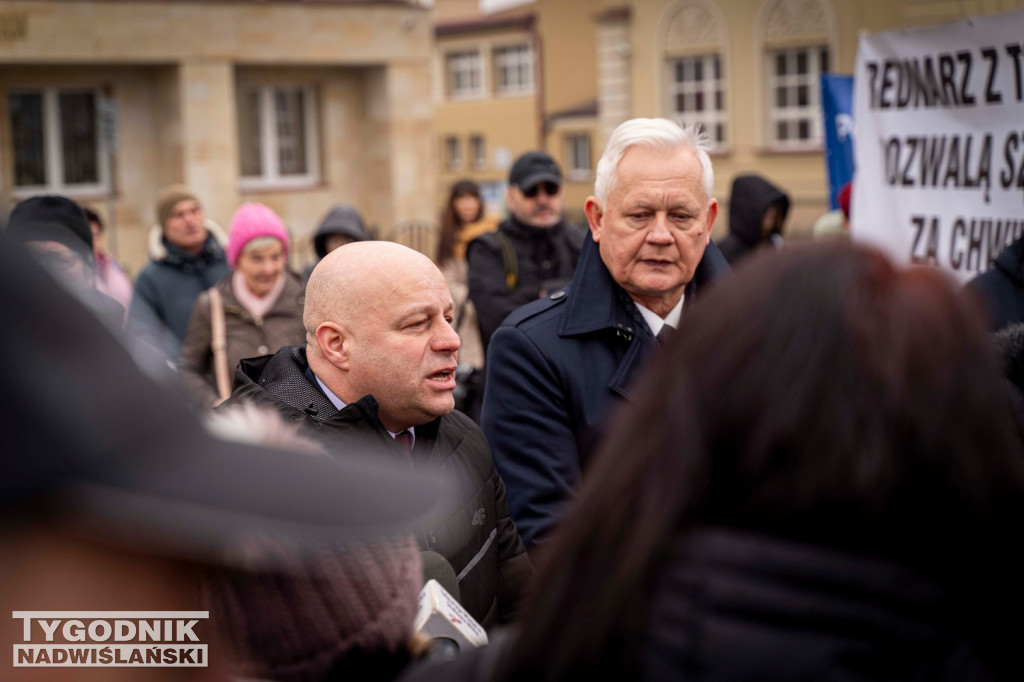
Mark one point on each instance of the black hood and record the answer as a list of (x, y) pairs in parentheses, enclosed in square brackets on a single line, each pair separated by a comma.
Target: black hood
[(341, 219), (750, 197)]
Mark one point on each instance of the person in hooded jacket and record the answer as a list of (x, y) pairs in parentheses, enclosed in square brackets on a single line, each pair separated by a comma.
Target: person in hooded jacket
[(342, 225), (1001, 287), (757, 216), (187, 258)]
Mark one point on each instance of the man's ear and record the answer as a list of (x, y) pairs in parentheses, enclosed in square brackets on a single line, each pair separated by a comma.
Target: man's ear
[(594, 216), (333, 342), (712, 214)]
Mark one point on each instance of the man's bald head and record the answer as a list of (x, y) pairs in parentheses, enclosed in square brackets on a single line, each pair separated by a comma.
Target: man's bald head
[(378, 321), (352, 279)]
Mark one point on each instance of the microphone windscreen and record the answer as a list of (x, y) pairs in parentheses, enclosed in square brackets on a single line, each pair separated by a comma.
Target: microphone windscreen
[(436, 567)]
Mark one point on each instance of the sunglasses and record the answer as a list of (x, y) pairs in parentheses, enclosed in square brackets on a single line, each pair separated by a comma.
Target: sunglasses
[(549, 188)]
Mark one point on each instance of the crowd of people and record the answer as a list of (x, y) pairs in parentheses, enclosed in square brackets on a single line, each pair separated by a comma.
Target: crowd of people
[(672, 458)]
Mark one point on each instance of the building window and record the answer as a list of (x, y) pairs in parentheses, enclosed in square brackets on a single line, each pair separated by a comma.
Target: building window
[(465, 73), (794, 106), (478, 152), (277, 136), (577, 155), (56, 142), (452, 153), (697, 93), (513, 69)]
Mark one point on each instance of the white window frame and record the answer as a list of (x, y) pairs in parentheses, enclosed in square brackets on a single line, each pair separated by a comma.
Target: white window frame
[(513, 58), (573, 170), (468, 61), (710, 116), (452, 152), (793, 114), (271, 176), (53, 158), (477, 151)]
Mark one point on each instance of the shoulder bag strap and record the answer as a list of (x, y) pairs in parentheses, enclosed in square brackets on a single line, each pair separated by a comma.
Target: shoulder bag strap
[(219, 344)]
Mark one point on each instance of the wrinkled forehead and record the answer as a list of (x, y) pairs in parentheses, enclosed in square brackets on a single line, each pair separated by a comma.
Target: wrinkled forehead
[(399, 292)]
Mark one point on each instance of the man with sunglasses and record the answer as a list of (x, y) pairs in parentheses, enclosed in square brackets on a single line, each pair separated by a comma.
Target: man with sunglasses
[(531, 254)]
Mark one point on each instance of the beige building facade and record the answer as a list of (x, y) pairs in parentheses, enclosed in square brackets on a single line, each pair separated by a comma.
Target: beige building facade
[(745, 69), (296, 106)]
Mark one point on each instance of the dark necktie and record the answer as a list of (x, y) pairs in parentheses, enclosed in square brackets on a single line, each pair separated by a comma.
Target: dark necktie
[(665, 334), (404, 440)]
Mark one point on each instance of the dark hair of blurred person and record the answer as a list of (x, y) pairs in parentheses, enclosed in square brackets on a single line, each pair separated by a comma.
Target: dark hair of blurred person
[(819, 479)]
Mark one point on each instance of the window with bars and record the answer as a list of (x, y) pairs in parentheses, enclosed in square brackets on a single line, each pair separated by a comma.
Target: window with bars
[(513, 69), (697, 94), (55, 140), (794, 107), (577, 156), (465, 73), (452, 153), (277, 136), (477, 152)]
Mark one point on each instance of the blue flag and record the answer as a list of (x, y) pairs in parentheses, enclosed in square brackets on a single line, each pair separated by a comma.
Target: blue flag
[(837, 108)]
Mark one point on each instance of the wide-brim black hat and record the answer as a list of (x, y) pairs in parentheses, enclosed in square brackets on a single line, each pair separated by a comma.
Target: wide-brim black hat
[(99, 439)]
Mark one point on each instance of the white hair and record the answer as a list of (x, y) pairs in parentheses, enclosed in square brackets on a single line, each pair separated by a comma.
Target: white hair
[(652, 132)]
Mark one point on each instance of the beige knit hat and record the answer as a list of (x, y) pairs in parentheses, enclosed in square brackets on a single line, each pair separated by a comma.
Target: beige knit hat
[(169, 196)]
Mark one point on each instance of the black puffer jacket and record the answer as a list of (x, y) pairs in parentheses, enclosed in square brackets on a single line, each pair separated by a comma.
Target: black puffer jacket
[(750, 197), (1001, 287), (735, 606), (545, 258), (479, 540)]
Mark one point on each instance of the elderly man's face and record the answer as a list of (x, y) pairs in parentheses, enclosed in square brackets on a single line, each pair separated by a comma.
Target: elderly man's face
[(655, 225), (403, 348)]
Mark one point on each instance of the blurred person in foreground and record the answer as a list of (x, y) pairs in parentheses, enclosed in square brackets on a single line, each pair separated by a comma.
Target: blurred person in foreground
[(113, 497), (378, 371), (55, 231), (558, 368), (819, 480), (462, 221), (340, 612), (186, 259), (110, 277), (259, 307)]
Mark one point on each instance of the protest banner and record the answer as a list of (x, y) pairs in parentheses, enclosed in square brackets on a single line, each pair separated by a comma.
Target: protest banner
[(940, 142)]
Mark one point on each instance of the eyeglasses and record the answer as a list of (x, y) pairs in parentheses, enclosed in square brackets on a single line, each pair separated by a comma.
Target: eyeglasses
[(549, 188)]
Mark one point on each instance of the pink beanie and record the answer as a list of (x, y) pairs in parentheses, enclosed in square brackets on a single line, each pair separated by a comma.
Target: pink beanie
[(249, 222)]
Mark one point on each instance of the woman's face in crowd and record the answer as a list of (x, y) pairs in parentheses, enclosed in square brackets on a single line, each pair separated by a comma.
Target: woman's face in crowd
[(261, 266), (466, 208)]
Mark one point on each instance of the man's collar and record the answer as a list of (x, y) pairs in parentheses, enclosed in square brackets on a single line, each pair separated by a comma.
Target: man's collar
[(656, 322), (341, 404)]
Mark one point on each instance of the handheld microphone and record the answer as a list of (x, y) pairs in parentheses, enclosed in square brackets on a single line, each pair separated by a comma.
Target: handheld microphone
[(441, 618)]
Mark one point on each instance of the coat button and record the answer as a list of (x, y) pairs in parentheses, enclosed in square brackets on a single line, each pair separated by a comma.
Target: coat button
[(262, 350), (557, 295)]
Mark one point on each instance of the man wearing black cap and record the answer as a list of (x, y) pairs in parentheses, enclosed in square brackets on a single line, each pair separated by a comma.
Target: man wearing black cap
[(531, 254)]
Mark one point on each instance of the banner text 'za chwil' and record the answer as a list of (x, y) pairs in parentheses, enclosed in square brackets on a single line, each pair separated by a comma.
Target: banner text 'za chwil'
[(940, 143)]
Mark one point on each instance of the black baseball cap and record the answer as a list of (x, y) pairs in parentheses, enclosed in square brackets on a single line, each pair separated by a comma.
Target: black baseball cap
[(110, 445), (533, 168)]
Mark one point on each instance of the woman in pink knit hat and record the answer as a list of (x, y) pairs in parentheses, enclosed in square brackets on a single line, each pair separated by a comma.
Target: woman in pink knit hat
[(259, 311)]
